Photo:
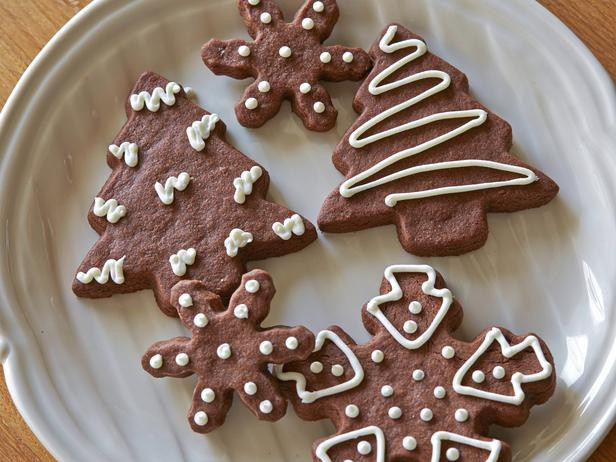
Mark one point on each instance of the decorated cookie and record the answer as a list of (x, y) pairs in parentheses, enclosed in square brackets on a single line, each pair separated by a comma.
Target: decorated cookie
[(425, 156), (181, 203), (414, 392), (228, 351), (288, 61)]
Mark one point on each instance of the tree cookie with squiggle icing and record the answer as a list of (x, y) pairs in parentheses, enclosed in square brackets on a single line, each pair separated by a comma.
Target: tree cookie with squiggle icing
[(181, 203), (287, 61), (414, 392), (425, 156)]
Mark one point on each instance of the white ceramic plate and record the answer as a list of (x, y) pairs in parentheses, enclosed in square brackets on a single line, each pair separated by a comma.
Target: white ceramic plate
[(72, 365)]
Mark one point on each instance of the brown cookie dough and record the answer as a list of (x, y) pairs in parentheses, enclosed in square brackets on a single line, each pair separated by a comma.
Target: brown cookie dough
[(414, 392), (229, 350), (181, 203), (425, 156), (287, 61)]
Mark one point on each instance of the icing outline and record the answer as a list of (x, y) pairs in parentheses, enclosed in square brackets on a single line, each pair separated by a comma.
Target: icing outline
[(437, 438), (323, 447)]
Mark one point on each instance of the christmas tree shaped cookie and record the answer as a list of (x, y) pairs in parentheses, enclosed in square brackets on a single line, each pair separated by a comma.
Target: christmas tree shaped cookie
[(288, 61), (181, 203), (228, 350), (425, 156), (414, 392)]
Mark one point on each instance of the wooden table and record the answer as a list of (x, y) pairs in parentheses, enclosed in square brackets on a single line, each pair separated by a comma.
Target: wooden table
[(27, 25)]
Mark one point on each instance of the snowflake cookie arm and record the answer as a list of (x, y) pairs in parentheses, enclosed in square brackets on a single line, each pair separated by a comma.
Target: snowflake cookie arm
[(230, 57), (259, 104), (319, 17), (313, 105), (210, 405), (169, 358), (259, 15), (344, 63)]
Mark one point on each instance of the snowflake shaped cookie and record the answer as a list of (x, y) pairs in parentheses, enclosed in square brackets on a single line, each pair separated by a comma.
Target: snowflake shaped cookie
[(181, 203), (228, 351), (414, 392), (288, 61)]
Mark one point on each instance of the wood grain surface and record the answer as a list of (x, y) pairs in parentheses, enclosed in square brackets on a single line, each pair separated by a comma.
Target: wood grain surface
[(26, 25)]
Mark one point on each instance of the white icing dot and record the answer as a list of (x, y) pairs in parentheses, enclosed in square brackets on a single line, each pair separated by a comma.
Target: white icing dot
[(305, 88), (208, 395), (478, 376), (181, 359), (316, 367), (351, 411), (439, 392), (307, 23), (285, 52), (266, 347), (461, 415), (185, 300), (250, 388), (452, 454), (415, 307), (254, 2), (377, 356), (251, 103), (409, 443), (325, 57), (224, 351), (200, 320), (291, 343), (319, 107), (387, 391), (318, 7), (337, 370), (240, 311), (448, 352), (156, 361), (364, 448), (347, 57), (418, 375), (264, 86), (394, 412), (244, 51), (266, 18), (426, 414), (252, 286), (200, 418), (266, 406), (410, 327), (498, 372)]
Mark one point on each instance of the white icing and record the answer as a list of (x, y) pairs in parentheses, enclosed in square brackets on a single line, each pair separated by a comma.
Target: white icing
[(200, 131), (252, 286), (266, 406), (130, 152), (181, 359), (243, 183), (351, 411), (337, 370), (517, 379), (348, 57), (291, 226), (318, 7), (166, 193), (325, 57), (396, 294), (265, 18), (111, 268), (110, 207), (307, 23), (316, 367), (426, 414), (254, 2), (461, 415), (208, 395), (394, 413), (364, 448), (266, 347), (152, 101), (448, 352), (185, 300), (285, 52), (300, 380), (387, 391), (409, 443), (243, 51), (377, 356), (477, 116), (251, 103), (190, 93), (418, 375), (291, 343), (200, 320), (179, 261), (410, 327), (224, 351), (241, 311), (250, 388), (236, 240), (264, 86), (415, 307), (156, 361), (324, 446), (305, 88), (452, 454), (498, 372), (319, 107), (200, 418), (478, 377), (439, 392), (494, 446)]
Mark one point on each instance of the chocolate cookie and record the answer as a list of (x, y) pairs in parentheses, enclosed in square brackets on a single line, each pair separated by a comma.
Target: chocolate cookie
[(181, 203), (288, 61), (425, 156), (228, 351), (414, 392)]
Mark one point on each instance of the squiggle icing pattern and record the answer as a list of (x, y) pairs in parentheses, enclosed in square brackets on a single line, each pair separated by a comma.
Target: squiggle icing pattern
[(477, 116), (110, 208), (180, 260), (236, 240), (200, 131), (494, 446), (166, 193), (113, 268), (291, 226), (152, 101), (130, 152), (243, 184)]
